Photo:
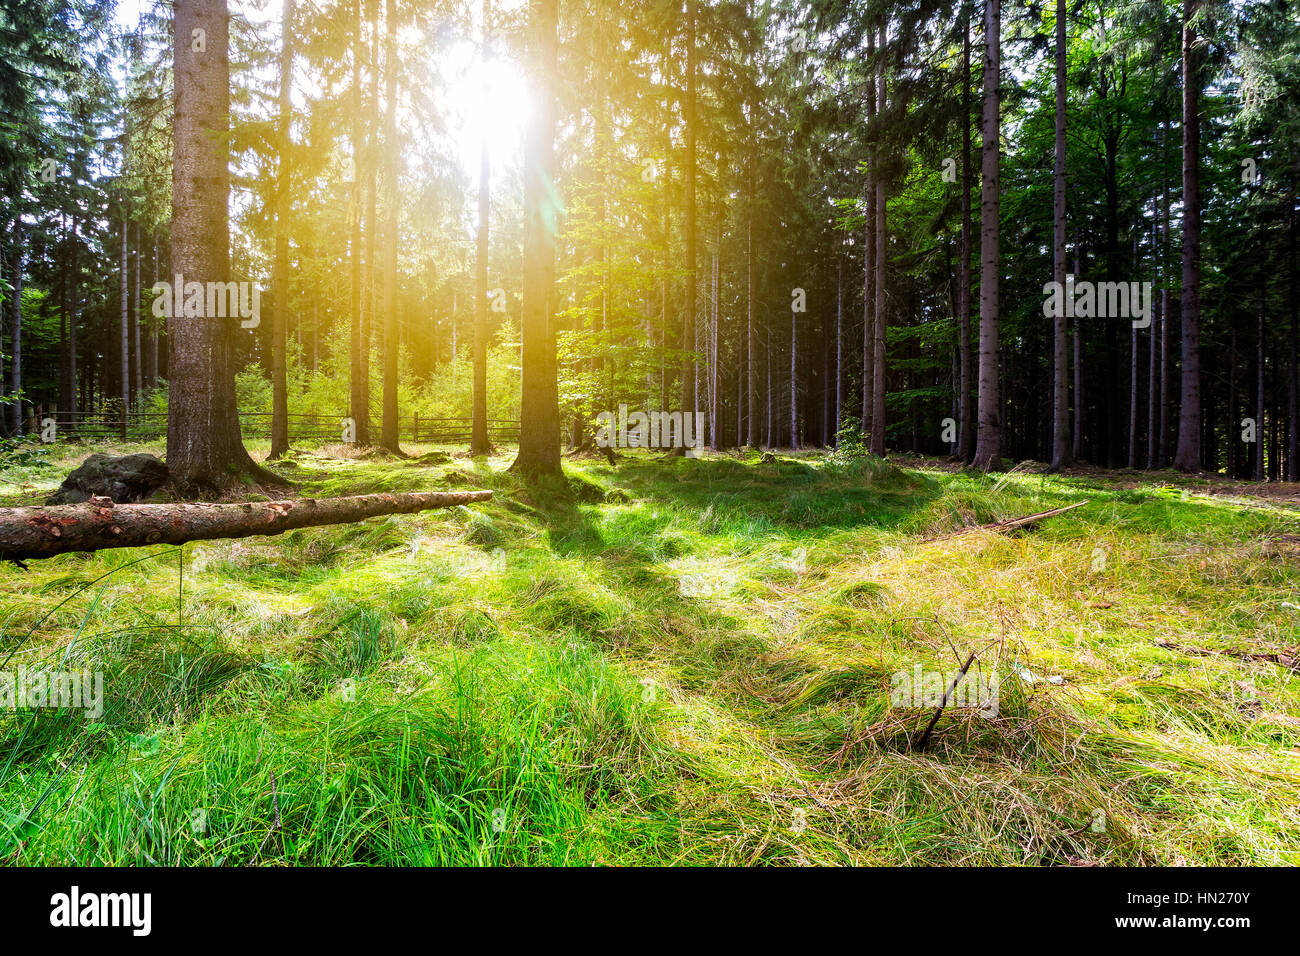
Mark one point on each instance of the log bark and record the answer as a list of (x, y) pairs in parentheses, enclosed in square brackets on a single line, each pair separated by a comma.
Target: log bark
[(37, 532)]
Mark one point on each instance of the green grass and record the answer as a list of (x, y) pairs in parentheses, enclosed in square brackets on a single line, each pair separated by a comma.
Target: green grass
[(669, 661)]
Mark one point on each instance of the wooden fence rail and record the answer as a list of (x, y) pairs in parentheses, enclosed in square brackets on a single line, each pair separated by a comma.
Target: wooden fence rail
[(143, 426)]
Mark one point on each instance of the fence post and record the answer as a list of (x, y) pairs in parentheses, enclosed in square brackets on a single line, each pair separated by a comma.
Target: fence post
[(415, 440)]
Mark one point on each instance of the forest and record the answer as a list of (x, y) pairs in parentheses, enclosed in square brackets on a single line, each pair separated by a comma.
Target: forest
[(725, 432)]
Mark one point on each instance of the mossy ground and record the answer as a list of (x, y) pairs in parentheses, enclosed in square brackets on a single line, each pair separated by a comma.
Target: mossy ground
[(669, 661)]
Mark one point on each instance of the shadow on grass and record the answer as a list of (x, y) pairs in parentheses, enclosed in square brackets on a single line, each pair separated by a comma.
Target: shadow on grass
[(787, 495)]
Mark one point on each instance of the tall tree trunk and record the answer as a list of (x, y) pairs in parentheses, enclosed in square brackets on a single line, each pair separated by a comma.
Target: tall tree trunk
[(1188, 456), (882, 247), (740, 396), (714, 400), (539, 420), (280, 266), (137, 319), (390, 437), (839, 345), (794, 386), (1293, 426), (966, 404), (479, 443), (751, 334), (359, 353), (151, 331), (688, 318), (1060, 331), (1259, 383), (989, 440), (869, 259), (64, 381), (125, 331), (767, 366), (74, 293), (1166, 310), (1153, 369), (1133, 397), (369, 320), (15, 410), (1233, 421), (204, 449)]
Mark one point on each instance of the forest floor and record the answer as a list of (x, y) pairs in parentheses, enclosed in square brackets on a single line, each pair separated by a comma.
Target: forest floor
[(670, 661)]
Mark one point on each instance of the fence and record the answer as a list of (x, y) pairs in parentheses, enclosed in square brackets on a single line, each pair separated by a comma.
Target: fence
[(147, 426)]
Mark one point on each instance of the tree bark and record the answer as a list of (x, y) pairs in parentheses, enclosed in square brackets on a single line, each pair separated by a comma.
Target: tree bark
[(358, 399), (1293, 426), (689, 370), (280, 267), (794, 380), (869, 258), (42, 532), (125, 286), (878, 331), (15, 409), (539, 419), (74, 311), (390, 438), (966, 404), (715, 401), (1079, 406), (1060, 332), (751, 334), (137, 354), (1153, 369), (1166, 311), (1133, 397), (64, 381), (479, 443), (371, 269), (1233, 422), (204, 448), (988, 447), (1188, 455), (1259, 383), (839, 347)]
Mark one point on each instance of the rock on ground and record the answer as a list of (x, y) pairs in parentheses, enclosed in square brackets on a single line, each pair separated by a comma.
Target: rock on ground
[(126, 478)]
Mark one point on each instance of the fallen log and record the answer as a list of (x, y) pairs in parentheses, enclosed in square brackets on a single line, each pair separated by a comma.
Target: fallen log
[(42, 532), (1011, 523), (1283, 660)]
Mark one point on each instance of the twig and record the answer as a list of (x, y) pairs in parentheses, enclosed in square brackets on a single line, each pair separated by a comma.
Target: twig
[(275, 802), (925, 735)]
